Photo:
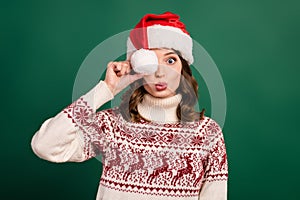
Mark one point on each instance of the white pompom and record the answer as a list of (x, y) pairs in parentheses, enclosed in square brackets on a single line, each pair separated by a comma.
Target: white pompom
[(144, 61)]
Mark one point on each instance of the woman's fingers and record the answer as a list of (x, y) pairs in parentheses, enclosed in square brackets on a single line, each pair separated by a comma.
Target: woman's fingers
[(121, 68), (124, 69), (118, 76), (128, 67), (111, 68), (116, 68)]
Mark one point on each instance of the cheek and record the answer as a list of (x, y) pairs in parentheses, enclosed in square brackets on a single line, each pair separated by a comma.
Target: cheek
[(151, 80), (174, 79), (148, 88), (174, 75), (148, 78), (176, 82), (147, 83)]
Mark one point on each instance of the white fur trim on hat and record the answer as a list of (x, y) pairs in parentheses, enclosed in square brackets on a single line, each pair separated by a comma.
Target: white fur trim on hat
[(167, 37)]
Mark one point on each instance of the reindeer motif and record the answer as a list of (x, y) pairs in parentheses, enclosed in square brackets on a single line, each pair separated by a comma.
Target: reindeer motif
[(135, 166), (115, 151), (223, 162), (162, 169), (198, 179), (187, 170), (219, 159), (200, 172)]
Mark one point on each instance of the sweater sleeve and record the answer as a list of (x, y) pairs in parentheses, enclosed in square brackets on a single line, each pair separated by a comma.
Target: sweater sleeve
[(216, 171), (68, 136)]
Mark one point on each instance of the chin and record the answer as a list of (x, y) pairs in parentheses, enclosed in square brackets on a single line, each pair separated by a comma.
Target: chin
[(162, 94)]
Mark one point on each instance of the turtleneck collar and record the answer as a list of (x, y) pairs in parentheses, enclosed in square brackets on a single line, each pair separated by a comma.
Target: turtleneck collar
[(159, 109)]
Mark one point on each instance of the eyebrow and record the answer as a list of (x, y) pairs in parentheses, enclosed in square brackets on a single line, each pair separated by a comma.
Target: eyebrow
[(169, 53)]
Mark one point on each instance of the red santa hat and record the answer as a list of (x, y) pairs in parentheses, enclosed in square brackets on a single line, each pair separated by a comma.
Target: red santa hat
[(161, 31)]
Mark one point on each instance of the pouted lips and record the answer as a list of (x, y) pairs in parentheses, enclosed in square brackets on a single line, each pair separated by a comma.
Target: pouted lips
[(161, 86)]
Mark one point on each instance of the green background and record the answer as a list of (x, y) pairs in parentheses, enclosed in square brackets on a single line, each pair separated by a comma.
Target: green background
[(255, 45)]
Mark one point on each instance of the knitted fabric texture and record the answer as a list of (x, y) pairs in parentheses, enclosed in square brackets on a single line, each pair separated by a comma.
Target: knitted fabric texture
[(143, 160), (151, 160)]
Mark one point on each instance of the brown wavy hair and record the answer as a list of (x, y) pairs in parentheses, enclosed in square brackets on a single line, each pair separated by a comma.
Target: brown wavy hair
[(188, 88)]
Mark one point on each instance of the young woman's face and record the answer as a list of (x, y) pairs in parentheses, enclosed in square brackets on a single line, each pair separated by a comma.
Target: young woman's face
[(164, 82)]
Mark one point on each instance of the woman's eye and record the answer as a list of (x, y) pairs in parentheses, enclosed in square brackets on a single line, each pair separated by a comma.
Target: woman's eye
[(171, 60)]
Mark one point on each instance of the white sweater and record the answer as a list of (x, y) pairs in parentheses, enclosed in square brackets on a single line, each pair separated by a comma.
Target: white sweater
[(161, 159)]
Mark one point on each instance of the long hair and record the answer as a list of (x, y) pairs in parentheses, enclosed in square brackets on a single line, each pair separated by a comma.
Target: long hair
[(188, 88)]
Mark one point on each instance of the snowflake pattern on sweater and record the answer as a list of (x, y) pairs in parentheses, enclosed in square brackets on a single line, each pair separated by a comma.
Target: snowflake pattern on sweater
[(162, 159)]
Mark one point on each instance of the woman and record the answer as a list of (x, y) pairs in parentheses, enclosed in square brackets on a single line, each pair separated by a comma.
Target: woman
[(154, 145)]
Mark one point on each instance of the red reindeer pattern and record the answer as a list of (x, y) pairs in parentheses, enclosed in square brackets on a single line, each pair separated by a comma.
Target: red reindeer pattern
[(187, 170), (135, 166), (223, 162), (198, 179), (114, 152), (164, 168), (218, 158)]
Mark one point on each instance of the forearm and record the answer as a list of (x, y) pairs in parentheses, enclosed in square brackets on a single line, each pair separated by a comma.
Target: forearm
[(59, 138)]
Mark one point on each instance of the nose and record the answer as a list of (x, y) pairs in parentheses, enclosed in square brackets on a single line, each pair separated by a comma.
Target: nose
[(160, 72)]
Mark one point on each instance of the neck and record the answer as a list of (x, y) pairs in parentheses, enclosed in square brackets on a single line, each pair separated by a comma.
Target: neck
[(159, 109)]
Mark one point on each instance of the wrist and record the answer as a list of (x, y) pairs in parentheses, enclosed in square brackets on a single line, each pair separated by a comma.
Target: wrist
[(110, 87)]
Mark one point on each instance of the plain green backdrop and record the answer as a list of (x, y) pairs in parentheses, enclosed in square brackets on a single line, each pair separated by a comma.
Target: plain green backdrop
[(255, 45)]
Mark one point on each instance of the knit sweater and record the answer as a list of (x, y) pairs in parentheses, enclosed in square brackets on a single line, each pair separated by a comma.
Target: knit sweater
[(161, 159)]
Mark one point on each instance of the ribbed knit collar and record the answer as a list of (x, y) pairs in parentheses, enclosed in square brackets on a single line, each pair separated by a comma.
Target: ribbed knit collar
[(159, 109)]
